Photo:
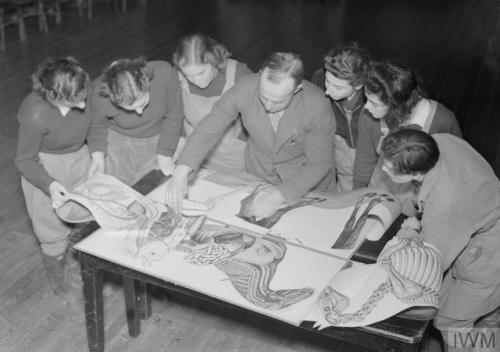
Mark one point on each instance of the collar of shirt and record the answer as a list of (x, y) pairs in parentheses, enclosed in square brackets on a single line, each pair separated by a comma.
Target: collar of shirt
[(357, 102), (63, 110), (275, 118)]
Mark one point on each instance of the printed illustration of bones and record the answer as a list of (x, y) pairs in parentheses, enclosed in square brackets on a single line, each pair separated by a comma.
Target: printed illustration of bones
[(414, 275), (354, 224)]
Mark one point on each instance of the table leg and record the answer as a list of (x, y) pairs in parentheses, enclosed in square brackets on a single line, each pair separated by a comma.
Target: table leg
[(143, 299), (132, 307), (94, 310)]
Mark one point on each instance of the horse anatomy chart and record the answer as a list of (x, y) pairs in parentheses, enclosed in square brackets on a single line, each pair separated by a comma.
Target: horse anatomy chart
[(284, 266), (253, 271), (336, 224)]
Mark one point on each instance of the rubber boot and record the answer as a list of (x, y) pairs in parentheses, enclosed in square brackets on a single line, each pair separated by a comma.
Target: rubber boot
[(56, 272)]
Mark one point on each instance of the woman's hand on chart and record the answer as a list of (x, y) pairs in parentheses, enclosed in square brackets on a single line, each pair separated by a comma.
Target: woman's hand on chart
[(177, 187), (97, 165), (58, 193), (166, 164)]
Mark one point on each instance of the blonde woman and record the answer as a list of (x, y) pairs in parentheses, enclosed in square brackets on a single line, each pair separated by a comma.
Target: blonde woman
[(206, 72)]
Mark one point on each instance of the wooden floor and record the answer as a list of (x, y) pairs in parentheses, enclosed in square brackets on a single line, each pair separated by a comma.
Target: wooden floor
[(454, 44)]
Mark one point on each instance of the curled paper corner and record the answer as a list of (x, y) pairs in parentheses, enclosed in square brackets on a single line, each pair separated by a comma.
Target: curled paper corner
[(317, 316), (378, 229)]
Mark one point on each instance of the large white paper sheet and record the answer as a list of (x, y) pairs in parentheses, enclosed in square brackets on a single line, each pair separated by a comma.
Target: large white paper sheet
[(300, 268), (308, 265), (317, 226)]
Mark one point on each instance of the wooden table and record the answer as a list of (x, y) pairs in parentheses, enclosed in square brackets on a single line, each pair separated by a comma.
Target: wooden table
[(393, 334)]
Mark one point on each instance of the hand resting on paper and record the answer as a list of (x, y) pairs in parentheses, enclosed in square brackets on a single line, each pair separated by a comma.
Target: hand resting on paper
[(166, 164), (97, 165), (410, 228), (177, 188), (58, 193), (262, 202)]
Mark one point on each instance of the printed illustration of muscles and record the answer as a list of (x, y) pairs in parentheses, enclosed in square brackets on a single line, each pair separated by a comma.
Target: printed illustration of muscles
[(354, 224), (249, 262)]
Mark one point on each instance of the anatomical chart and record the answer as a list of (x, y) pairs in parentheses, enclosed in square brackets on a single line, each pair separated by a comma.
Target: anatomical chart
[(322, 222), (257, 272), (140, 227), (280, 267), (408, 273)]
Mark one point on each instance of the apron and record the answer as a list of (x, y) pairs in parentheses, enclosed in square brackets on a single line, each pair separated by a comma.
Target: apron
[(344, 163), (380, 179), (129, 159), (70, 170), (229, 152)]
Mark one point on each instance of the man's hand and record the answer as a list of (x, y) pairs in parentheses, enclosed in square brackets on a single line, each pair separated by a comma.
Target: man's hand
[(264, 203), (97, 166), (166, 164), (410, 228), (58, 194), (177, 187)]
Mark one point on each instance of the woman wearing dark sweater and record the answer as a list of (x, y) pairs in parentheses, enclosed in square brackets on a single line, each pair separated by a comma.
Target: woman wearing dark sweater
[(137, 119), (342, 78), (52, 156)]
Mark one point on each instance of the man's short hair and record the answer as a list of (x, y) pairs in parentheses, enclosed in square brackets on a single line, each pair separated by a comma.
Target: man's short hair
[(410, 150), (280, 65)]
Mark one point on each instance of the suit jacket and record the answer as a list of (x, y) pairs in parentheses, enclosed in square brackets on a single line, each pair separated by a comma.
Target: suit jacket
[(298, 157)]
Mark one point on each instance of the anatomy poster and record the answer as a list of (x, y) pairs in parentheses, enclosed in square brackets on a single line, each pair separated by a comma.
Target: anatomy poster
[(337, 224), (254, 271)]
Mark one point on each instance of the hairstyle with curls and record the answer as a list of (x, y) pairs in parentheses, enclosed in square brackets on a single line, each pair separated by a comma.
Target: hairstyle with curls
[(125, 79), (284, 64), (411, 150), (60, 78), (397, 86), (348, 62), (199, 49)]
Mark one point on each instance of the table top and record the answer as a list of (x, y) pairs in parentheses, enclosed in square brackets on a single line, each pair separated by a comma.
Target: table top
[(397, 328)]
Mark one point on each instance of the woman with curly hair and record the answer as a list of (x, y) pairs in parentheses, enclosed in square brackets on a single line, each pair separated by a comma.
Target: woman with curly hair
[(206, 72), (342, 78), (394, 97), (51, 154), (137, 119)]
